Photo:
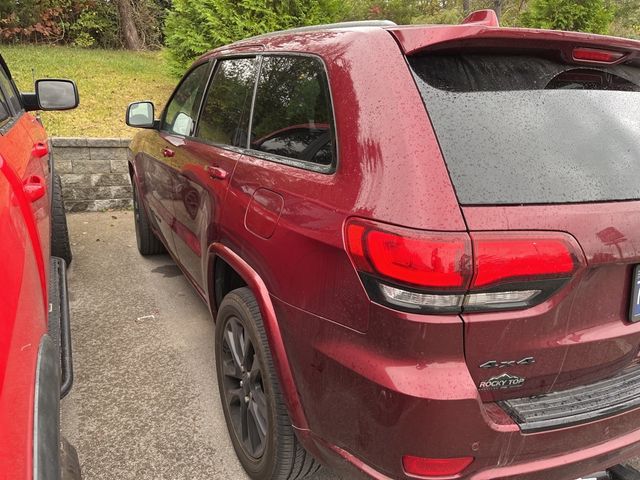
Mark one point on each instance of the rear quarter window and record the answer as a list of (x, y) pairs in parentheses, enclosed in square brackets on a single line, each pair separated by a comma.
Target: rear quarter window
[(293, 116), (518, 129)]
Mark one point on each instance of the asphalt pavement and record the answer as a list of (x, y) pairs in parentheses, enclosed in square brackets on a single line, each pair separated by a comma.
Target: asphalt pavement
[(145, 401)]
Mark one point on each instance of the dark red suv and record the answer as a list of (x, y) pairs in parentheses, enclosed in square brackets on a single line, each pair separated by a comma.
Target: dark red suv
[(421, 245)]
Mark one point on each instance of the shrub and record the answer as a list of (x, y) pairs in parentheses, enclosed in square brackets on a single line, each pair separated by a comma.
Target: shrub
[(193, 27), (83, 23), (593, 16)]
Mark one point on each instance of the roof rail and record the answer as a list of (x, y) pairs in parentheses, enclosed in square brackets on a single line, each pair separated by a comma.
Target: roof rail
[(329, 26), (482, 17)]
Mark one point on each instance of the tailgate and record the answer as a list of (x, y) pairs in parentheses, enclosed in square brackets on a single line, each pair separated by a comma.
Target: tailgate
[(583, 333), (544, 142)]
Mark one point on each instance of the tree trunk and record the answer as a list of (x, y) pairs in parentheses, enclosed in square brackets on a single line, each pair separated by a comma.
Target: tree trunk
[(466, 7), (497, 6), (129, 30)]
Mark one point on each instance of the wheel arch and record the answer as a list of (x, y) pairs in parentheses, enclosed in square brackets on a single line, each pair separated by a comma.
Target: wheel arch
[(219, 255), (132, 171)]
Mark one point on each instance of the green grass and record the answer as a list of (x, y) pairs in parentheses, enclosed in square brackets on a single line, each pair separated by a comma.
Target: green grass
[(108, 80)]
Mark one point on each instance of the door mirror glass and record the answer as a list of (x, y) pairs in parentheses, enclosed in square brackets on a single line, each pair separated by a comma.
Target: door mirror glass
[(140, 115), (183, 124), (56, 94)]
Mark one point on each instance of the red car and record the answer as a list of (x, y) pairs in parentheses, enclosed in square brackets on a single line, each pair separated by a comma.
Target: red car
[(421, 246), (35, 345)]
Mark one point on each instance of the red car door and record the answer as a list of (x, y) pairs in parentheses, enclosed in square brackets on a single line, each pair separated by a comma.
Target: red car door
[(157, 160), (204, 162), (29, 159)]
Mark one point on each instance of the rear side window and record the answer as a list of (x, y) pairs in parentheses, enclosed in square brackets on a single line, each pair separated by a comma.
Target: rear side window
[(518, 129), (292, 115), (182, 111), (225, 114)]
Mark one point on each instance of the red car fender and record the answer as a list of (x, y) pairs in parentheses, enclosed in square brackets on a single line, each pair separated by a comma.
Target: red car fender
[(281, 361)]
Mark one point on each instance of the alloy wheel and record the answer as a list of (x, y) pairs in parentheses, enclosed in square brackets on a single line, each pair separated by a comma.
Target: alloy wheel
[(243, 387)]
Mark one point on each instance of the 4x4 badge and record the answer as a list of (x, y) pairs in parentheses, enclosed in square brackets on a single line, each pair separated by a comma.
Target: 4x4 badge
[(508, 363), (501, 382)]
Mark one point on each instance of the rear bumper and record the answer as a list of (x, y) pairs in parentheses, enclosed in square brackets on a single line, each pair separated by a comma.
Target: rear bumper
[(356, 468), (601, 399), (404, 389), (570, 466)]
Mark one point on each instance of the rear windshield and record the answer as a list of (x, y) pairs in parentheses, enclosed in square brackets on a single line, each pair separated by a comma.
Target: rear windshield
[(518, 129)]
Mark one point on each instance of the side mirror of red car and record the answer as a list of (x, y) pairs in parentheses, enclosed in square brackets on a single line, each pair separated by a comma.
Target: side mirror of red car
[(141, 115), (52, 94), (57, 94)]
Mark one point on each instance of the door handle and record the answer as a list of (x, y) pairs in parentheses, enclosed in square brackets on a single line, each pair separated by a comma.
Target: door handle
[(40, 150), (34, 188), (167, 152), (216, 173)]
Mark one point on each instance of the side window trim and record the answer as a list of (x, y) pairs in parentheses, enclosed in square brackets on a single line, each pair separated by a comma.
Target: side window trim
[(302, 164), (212, 72), (175, 91), (253, 99), (292, 162)]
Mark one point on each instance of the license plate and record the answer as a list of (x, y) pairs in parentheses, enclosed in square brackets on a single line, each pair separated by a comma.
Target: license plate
[(634, 310)]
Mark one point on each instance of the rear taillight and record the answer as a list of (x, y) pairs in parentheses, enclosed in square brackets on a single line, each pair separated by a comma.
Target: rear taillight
[(451, 272), (409, 269), (431, 260)]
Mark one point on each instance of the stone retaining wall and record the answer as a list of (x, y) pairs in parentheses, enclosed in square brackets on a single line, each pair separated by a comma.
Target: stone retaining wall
[(94, 173)]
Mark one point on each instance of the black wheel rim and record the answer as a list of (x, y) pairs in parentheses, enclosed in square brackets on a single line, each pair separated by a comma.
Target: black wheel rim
[(244, 393)]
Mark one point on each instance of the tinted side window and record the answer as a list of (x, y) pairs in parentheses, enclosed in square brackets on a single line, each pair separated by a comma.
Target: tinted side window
[(5, 115), (292, 113), (11, 94), (225, 113), (182, 110)]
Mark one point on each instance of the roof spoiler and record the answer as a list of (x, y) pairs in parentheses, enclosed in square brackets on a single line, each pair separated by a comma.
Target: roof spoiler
[(487, 18)]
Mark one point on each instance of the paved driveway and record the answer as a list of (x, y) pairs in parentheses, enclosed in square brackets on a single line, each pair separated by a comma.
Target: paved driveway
[(145, 400)]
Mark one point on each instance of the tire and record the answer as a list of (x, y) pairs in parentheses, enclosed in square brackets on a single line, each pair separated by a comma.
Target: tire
[(69, 461), (269, 450), (148, 243), (60, 245)]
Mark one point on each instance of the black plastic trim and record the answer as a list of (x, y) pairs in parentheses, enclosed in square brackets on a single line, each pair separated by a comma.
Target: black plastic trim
[(623, 472), (60, 321), (587, 403), (30, 101), (46, 415)]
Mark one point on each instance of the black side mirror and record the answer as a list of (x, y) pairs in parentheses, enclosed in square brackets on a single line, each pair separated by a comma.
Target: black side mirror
[(52, 94), (141, 115), (56, 94)]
